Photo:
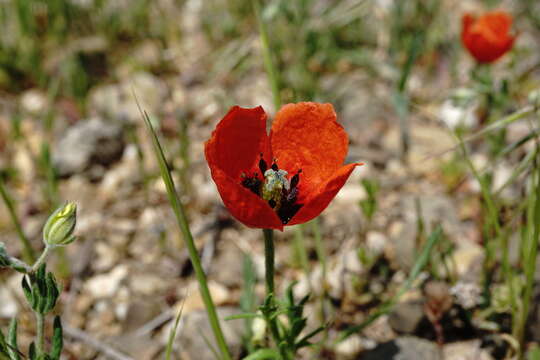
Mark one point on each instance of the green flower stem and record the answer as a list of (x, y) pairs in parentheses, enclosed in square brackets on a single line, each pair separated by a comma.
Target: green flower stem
[(28, 253), (41, 259), (182, 221), (269, 259), (40, 334), (270, 289)]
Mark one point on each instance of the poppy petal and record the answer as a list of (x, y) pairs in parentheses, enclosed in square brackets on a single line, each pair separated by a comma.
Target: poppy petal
[(485, 51), (238, 140), (244, 205), (466, 22), (488, 37), (321, 197), (307, 136), (498, 22)]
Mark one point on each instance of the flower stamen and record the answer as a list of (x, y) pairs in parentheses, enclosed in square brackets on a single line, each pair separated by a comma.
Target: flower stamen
[(280, 192)]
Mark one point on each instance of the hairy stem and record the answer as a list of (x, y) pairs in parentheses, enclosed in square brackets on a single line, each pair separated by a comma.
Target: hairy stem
[(40, 339), (41, 258)]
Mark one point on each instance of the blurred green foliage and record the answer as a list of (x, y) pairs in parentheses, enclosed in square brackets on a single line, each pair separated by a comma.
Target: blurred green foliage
[(69, 41)]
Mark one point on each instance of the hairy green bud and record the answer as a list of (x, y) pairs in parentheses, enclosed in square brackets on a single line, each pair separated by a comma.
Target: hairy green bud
[(59, 228)]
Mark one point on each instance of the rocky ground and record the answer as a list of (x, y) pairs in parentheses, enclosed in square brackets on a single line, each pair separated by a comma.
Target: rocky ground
[(129, 273)]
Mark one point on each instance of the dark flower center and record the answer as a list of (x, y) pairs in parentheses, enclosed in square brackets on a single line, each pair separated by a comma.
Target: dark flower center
[(274, 187)]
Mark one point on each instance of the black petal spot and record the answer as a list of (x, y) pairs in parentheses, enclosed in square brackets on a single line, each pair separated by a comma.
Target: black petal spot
[(253, 184), (262, 166)]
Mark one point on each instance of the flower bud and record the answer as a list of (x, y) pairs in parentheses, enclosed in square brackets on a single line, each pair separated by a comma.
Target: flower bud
[(59, 228)]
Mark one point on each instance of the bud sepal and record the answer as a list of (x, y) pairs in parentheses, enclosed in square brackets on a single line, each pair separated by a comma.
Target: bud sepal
[(59, 228)]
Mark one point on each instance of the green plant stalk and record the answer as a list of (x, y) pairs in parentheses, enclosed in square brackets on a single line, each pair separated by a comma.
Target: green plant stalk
[(134, 138), (172, 333), (493, 221), (269, 260), (40, 333), (247, 301), (401, 100), (300, 248), (42, 258), (269, 278), (181, 219), (19, 265), (531, 255), (505, 121), (28, 252), (267, 56)]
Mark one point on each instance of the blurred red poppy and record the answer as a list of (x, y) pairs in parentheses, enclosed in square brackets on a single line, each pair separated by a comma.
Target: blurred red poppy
[(488, 37), (285, 178)]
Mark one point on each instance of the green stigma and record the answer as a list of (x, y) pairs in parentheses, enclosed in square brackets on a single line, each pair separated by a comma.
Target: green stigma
[(274, 183)]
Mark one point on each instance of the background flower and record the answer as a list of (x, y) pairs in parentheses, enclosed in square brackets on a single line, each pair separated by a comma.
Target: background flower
[(487, 38)]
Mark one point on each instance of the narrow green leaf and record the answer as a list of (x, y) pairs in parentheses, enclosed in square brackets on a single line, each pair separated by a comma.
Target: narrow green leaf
[(4, 258), (57, 340), (52, 292), (40, 274), (243, 316), (32, 354), (39, 298), (499, 124), (3, 347), (297, 327), (172, 334), (303, 342), (12, 341), (210, 346), (183, 224), (262, 354), (27, 291)]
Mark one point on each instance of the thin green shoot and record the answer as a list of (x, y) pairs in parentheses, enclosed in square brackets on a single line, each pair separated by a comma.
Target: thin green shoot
[(531, 235), (270, 68), (496, 125), (172, 333), (182, 221), (300, 250), (29, 254)]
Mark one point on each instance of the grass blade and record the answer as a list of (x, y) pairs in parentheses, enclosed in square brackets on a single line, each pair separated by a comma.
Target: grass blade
[(28, 252), (182, 221), (172, 334)]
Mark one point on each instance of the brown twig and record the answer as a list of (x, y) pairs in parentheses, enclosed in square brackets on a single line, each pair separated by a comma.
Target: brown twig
[(100, 346)]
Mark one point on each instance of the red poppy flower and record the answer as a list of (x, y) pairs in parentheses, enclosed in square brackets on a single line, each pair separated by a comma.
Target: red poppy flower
[(488, 37), (285, 178)]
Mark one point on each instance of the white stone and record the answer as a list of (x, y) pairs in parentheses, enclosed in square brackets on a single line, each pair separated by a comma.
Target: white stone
[(106, 285)]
